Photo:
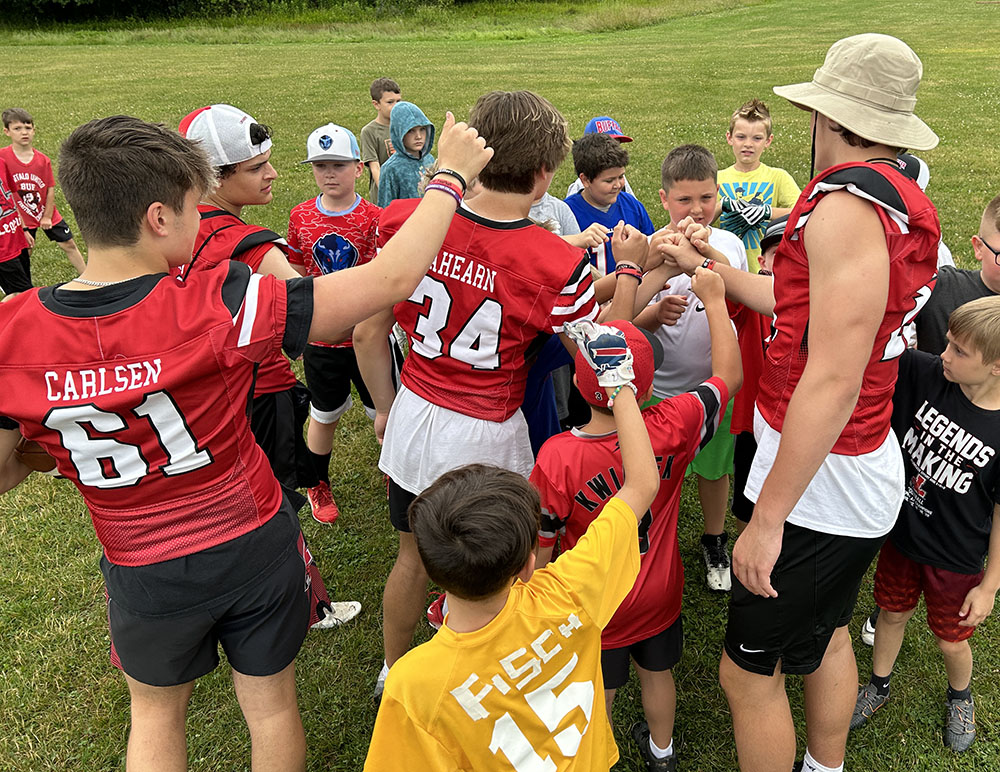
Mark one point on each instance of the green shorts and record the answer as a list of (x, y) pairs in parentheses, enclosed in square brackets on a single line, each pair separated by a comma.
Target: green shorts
[(716, 460)]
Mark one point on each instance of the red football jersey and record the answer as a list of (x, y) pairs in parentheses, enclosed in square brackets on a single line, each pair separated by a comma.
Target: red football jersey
[(12, 239), (224, 236), (912, 233), (32, 182), (324, 242), (491, 290), (143, 404), (576, 475)]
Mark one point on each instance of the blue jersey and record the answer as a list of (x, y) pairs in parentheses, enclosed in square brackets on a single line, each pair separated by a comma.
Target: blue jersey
[(627, 207)]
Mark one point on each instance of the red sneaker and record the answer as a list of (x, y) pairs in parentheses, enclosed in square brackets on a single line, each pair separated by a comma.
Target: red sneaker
[(324, 508), (435, 612)]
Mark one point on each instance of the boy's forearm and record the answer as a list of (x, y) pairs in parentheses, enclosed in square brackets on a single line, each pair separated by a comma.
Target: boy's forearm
[(12, 471), (50, 204), (642, 479), (371, 347), (623, 302), (727, 363), (376, 169)]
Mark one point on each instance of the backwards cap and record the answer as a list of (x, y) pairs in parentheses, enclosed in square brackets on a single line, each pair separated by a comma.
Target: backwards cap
[(647, 356), (224, 134)]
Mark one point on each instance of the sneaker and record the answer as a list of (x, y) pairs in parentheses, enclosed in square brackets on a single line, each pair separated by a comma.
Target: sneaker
[(640, 733), (868, 628), (435, 612), (869, 700), (380, 683), (340, 611), (324, 508), (716, 562), (960, 727)]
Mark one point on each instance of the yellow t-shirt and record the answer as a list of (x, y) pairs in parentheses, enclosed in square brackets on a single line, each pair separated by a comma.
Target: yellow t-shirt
[(771, 186), (525, 692)]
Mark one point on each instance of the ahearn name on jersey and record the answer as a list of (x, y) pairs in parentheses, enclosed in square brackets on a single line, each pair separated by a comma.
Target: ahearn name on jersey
[(465, 270)]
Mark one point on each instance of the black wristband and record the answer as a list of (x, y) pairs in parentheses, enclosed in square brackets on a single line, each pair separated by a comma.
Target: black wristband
[(456, 175)]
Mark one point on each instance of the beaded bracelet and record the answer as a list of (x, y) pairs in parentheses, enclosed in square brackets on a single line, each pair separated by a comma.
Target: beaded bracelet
[(611, 399), (450, 190), (456, 175)]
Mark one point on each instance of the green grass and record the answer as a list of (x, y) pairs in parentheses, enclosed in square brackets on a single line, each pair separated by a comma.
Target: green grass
[(671, 74)]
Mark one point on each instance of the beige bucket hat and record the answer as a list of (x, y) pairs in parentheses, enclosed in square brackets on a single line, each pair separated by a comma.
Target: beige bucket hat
[(868, 84)]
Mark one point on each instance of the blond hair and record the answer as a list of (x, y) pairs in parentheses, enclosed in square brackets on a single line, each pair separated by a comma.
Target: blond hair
[(753, 111), (992, 213), (977, 323)]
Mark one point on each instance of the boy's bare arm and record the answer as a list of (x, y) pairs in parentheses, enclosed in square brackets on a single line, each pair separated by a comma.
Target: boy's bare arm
[(726, 361), (50, 205), (642, 480), (847, 301), (630, 246), (12, 471), (979, 601), (344, 298), (375, 363), (375, 168)]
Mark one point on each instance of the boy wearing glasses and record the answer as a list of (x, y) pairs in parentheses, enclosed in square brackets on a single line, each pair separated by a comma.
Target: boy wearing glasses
[(956, 286)]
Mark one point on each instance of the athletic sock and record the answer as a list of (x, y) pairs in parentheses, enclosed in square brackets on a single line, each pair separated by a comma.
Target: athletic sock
[(809, 764), (965, 695), (321, 465), (880, 683), (658, 752)]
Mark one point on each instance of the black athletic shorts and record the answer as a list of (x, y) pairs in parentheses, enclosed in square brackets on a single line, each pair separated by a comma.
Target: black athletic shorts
[(329, 375), (15, 275), (817, 577), (743, 452), (58, 233), (276, 422), (659, 653), (399, 504), (260, 624)]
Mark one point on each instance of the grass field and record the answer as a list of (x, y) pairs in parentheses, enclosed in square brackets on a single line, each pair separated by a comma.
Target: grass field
[(671, 74)]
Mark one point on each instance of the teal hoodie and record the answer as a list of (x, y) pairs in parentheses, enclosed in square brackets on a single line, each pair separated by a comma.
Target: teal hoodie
[(400, 174)]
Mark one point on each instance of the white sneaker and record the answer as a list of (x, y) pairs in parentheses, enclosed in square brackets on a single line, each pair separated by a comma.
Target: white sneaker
[(380, 682), (341, 611), (868, 628), (717, 574)]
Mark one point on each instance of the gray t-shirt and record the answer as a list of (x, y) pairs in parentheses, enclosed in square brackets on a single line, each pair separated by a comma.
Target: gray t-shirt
[(375, 146), (553, 210), (954, 287)]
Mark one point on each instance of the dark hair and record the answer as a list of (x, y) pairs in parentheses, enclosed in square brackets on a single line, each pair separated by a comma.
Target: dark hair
[(380, 86), (854, 140), (475, 529), (527, 135), (593, 153), (17, 115), (258, 133), (992, 213), (688, 162), (112, 169)]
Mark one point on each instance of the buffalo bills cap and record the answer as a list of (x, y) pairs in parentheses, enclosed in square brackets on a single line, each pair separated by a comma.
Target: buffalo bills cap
[(606, 125)]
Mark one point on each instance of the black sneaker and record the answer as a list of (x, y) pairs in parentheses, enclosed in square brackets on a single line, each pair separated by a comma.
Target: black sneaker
[(960, 727), (716, 556), (640, 733)]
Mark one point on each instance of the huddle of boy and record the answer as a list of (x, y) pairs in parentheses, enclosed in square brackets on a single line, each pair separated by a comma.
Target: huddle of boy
[(31, 173), (689, 193)]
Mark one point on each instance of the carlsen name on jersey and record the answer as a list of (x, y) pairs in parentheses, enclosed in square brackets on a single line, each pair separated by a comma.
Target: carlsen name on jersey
[(464, 269), (86, 384)]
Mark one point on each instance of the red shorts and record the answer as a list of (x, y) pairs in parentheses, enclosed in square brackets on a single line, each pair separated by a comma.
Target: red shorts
[(899, 582)]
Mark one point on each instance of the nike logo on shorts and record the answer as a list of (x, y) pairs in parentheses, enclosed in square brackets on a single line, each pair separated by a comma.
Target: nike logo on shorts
[(745, 650)]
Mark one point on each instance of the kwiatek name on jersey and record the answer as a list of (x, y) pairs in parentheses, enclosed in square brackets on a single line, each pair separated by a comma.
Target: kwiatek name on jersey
[(71, 385), (464, 269), (943, 452)]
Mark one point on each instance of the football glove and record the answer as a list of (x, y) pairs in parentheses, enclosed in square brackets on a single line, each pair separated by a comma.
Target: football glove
[(605, 350)]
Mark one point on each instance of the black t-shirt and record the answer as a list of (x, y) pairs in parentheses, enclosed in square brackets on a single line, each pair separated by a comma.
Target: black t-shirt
[(954, 287), (952, 470)]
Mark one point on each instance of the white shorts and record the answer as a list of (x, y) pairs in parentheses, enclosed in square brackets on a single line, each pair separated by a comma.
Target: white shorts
[(424, 440)]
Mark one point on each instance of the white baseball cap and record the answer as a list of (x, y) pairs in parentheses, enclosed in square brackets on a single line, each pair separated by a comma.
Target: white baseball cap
[(224, 133), (332, 143)]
